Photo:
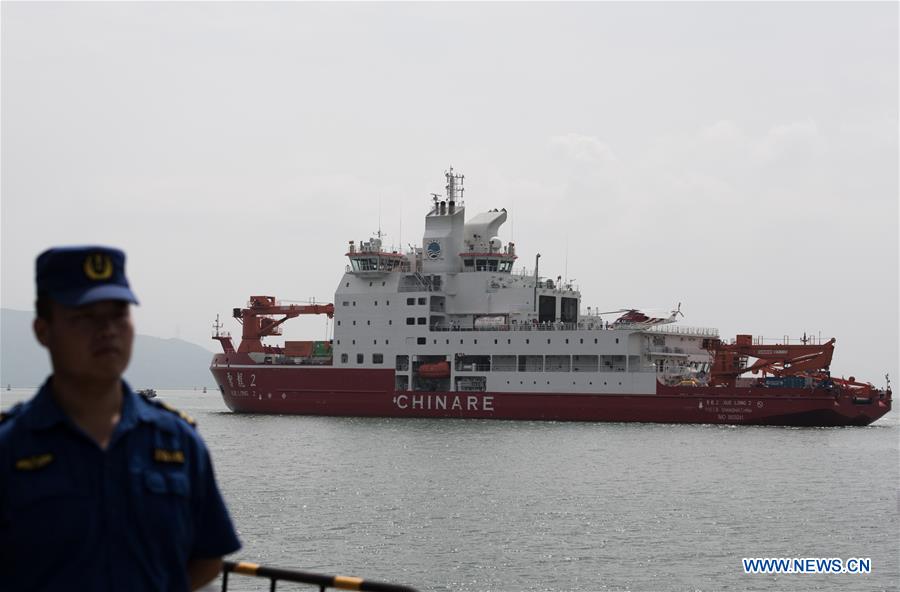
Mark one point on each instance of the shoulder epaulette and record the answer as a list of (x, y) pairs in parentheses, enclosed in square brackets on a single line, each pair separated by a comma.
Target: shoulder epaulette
[(170, 409), (11, 412)]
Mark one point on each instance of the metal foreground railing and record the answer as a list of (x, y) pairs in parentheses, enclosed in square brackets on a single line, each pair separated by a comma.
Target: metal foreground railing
[(274, 575)]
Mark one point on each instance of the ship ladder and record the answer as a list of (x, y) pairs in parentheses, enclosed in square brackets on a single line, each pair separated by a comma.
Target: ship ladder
[(323, 581)]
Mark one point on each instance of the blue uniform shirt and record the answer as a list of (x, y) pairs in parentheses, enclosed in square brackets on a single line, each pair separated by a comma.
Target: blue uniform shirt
[(74, 516)]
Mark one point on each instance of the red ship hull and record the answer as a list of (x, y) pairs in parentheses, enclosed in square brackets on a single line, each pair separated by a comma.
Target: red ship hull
[(258, 388)]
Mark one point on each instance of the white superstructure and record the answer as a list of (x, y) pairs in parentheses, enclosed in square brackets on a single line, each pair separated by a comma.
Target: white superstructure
[(455, 299)]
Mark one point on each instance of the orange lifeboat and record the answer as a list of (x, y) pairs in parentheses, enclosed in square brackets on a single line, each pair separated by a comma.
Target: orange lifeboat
[(435, 370)]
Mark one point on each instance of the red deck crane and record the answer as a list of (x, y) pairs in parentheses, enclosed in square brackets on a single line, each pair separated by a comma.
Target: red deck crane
[(730, 359), (258, 321)]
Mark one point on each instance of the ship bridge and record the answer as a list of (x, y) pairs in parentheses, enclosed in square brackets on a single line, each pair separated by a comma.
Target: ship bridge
[(370, 259)]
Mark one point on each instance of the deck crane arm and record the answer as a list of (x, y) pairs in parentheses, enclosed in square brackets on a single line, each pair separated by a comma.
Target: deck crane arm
[(258, 322)]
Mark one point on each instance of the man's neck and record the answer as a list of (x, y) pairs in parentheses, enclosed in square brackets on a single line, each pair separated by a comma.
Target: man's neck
[(95, 407)]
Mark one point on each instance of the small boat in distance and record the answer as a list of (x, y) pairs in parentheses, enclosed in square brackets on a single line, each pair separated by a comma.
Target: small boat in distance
[(147, 393)]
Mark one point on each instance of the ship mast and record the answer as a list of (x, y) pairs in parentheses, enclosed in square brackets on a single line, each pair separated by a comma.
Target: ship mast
[(454, 189)]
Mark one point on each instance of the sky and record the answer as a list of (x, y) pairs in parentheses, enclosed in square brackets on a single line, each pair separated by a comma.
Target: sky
[(738, 158)]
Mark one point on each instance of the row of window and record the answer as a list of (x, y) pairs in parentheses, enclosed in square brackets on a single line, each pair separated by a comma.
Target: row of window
[(374, 342), (550, 363), (353, 303), (522, 363), (369, 322), (504, 266), (361, 358), (409, 301), (424, 340)]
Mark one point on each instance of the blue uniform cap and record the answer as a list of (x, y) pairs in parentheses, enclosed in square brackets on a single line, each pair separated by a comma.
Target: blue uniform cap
[(76, 276)]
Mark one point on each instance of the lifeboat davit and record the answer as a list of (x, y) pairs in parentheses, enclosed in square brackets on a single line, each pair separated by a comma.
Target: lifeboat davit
[(435, 370)]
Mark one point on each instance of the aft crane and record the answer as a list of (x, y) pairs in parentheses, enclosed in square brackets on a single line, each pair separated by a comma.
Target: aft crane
[(730, 359)]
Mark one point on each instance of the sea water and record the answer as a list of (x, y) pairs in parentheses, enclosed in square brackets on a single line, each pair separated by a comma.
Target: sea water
[(473, 505)]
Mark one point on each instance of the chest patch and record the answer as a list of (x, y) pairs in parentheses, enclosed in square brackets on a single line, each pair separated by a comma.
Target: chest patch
[(168, 456), (33, 463)]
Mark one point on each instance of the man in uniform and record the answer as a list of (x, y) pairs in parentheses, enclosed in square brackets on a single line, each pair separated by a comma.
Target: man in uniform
[(101, 489)]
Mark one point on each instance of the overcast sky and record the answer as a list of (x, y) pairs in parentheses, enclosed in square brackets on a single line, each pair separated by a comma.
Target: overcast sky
[(741, 159)]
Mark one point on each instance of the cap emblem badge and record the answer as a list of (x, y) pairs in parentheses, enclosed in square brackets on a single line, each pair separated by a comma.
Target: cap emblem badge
[(98, 267)]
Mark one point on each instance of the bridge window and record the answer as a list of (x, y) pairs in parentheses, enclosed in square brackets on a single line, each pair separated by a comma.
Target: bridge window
[(410, 301), (485, 265), (423, 300)]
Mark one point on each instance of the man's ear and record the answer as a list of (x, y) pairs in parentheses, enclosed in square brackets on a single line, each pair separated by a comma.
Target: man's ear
[(41, 330)]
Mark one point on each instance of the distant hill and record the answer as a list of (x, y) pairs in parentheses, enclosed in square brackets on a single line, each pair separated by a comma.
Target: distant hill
[(155, 362)]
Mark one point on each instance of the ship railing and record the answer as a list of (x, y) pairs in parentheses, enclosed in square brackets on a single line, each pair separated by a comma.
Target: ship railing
[(520, 327), (683, 330), (324, 582)]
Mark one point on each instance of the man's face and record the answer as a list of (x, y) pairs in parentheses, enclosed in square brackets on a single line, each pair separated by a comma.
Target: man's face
[(91, 343)]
